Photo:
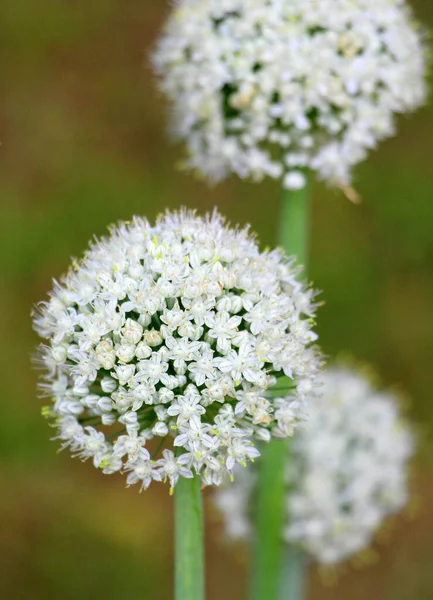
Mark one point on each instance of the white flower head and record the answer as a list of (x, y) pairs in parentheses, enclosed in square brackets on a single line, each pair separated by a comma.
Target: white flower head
[(176, 332), (274, 87), (347, 472)]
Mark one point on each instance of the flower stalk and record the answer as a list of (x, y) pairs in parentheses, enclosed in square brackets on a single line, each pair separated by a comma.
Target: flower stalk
[(293, 582), (270, 514), (189, 549), (293, 226), (269, 566)]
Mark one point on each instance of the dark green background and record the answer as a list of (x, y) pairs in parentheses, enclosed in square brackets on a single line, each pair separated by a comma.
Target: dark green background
[(84, 144)]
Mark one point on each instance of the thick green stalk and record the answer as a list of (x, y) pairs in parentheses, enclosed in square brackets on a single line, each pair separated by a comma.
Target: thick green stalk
[(271, 509), (189, 551), (293, 582), (293, 229)]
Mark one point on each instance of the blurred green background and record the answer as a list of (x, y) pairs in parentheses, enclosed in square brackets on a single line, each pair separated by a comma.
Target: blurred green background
[(83, 145)]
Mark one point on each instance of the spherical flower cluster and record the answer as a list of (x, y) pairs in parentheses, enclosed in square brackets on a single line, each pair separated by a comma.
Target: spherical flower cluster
[(347, 472), (275, 87), (176, 331)]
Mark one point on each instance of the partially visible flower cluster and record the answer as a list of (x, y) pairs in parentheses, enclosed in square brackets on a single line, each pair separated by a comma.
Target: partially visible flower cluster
[(347, 472), (176, 331), (273, 87)]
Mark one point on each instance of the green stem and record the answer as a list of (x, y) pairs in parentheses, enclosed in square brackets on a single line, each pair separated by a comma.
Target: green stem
[(271, 510), (293, 580), (270, 517), (293, 231), (189, 552)]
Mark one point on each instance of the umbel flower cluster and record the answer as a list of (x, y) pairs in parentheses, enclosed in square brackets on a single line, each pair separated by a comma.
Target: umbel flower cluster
[(176, 331), (346, 474), (274, 87)]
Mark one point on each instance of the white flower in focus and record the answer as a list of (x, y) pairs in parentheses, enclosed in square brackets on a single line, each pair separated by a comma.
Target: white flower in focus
[(347, 472), (175, 332), (271, 88)]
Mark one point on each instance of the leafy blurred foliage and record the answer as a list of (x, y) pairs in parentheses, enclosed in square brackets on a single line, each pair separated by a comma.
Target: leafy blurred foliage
[(83, 145)]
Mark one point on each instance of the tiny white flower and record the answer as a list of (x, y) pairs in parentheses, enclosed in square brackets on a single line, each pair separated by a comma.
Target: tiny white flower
[(105, 354), (129, 418), (59, 354), (70, 430), (122, 400), (105, 404), (160, 429), (143, 351), (125, 352), (165, 395), (131, 446), (110, 464), (203, 368), (172, 468), (152, 337), (132, 332), (108, 385), (223, 328), (143, 472), (93, 446), (124, 373), (108, 419), (187, 407), (239, 452), (153, 369)]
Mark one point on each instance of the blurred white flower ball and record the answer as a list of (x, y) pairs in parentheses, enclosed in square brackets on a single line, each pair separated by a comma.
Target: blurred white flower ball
[(347, 472), (176, 331), (274, 87)]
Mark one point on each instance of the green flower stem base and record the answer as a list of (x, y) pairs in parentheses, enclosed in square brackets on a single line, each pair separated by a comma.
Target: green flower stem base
[(189, 550), (268, 559), (293, 580), (271, 510), (293, 227)]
